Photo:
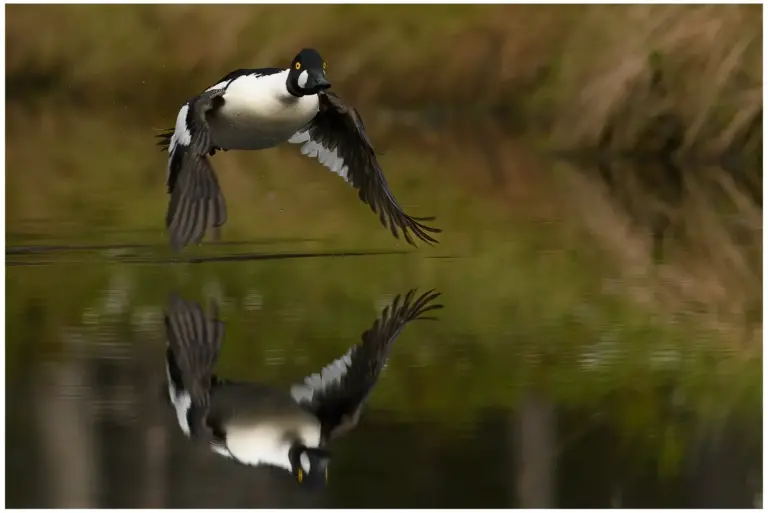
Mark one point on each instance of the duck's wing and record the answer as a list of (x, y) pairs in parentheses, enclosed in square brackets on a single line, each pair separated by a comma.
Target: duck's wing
[(196, 203), (194, 342), (337, 138), (337, 393)]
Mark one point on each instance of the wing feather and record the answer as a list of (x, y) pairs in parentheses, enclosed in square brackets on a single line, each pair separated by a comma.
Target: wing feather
[(337, 138), (337, 394), (197, 203), (195, 342)]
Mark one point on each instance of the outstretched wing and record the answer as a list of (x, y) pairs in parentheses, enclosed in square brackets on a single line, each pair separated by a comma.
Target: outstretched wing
[(337, 138), (337, 393), (196, 203), (195, 342)]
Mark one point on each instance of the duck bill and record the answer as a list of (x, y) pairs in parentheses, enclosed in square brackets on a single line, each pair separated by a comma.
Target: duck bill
[(318, 82)]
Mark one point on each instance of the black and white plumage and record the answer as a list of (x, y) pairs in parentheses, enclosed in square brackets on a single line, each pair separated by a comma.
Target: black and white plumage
[(253, 109), (255, 424)]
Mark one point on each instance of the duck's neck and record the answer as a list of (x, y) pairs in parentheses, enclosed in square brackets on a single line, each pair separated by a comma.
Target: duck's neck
[(293, 92)]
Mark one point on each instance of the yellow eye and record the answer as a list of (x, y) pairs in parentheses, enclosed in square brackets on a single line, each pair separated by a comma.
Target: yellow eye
[(298, 65), (300, 475), (325, 66)]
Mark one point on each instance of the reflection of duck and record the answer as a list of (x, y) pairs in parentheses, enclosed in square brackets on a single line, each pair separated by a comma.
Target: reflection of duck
[(254, 109), (258, 425)]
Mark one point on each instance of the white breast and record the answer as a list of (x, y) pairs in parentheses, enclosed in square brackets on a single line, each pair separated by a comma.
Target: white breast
[(264, 444), (259, 112)]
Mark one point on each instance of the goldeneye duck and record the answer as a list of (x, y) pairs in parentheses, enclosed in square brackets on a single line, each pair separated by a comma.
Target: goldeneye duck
[(257, 425), (254, 109)]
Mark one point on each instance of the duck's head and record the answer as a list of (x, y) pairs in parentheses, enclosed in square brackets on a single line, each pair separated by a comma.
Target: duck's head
[(307, 74), (309, 465)]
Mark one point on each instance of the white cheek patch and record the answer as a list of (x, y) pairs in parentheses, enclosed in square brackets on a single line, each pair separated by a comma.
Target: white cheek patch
[(304, 460), (328, 158), (303, 76)]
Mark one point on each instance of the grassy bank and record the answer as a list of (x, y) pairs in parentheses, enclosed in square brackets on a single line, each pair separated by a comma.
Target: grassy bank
[(686, 78)]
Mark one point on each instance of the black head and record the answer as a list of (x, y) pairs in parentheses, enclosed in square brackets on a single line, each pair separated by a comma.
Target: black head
[(309, 465), (307, 74)]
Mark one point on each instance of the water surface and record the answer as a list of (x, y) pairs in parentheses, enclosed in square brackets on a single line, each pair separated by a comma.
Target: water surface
[(459, 418)]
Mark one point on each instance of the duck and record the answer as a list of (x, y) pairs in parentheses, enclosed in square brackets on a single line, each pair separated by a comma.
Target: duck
[(258, 425), (256, 109)]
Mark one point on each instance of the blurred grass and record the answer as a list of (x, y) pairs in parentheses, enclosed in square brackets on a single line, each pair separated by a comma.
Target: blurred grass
[(620, 76)]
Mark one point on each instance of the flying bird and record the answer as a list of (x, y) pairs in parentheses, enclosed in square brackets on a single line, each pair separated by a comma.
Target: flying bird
[(255, 109)]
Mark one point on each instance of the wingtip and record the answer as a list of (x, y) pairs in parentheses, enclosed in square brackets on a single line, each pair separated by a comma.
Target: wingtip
[(412, 309), (420, 230), (177, 245), (175, 303)]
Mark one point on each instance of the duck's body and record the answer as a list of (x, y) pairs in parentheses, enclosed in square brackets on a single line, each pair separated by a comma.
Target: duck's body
[(258, 112), (258, 420), (255, 424), (256, 109)]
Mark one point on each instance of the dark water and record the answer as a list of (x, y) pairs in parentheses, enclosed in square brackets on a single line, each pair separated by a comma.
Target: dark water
[(467, 414)]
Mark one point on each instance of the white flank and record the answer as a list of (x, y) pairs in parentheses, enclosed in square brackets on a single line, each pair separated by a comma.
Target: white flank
[(181, 402), (264, 444), (317, 382), (328, 158)]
